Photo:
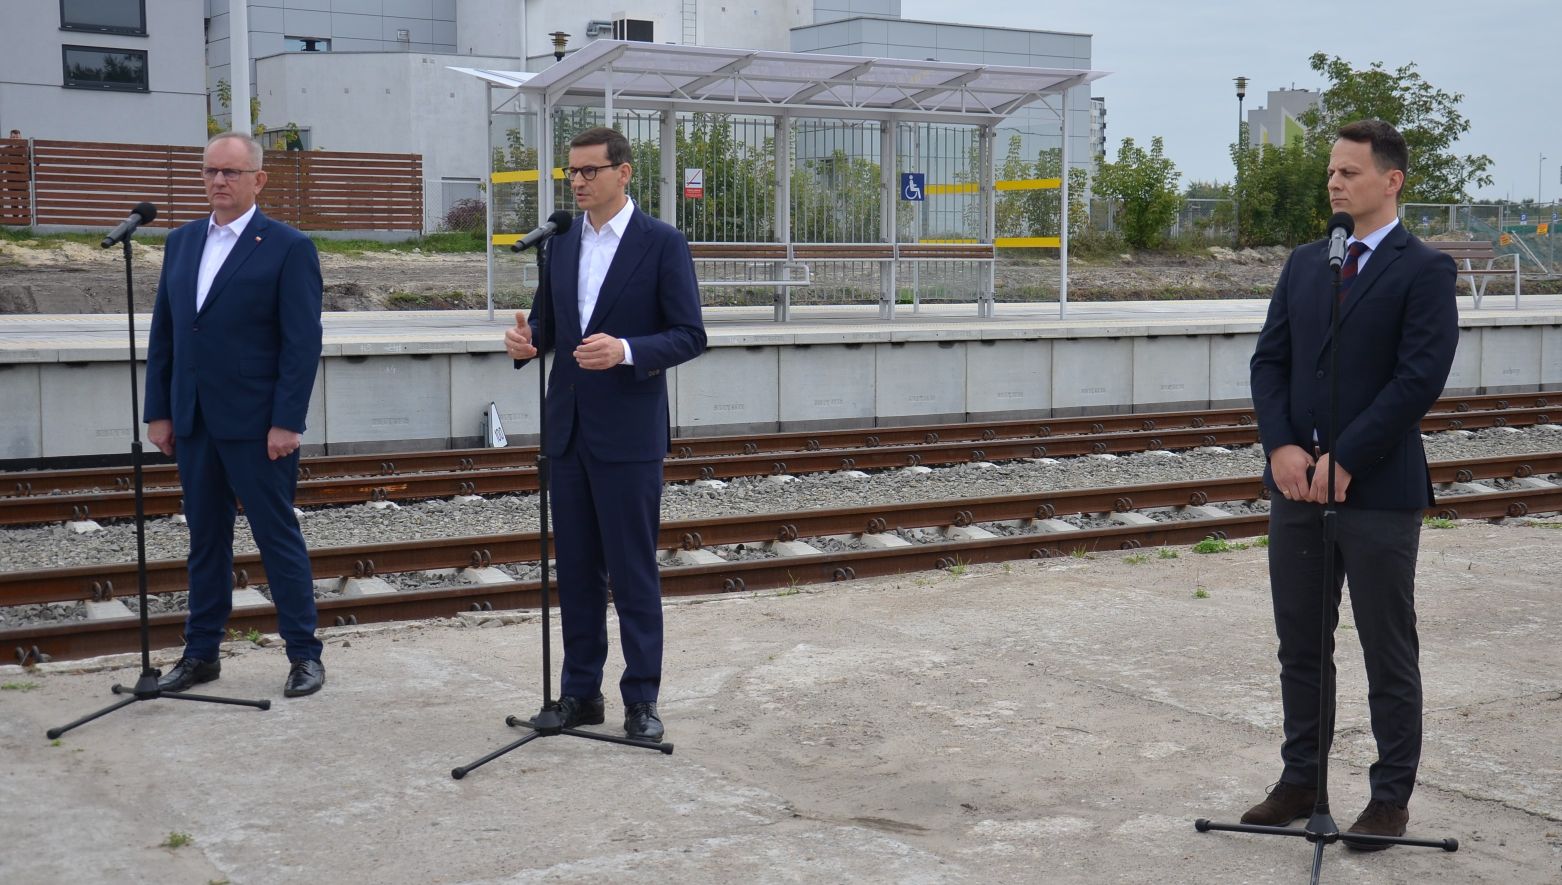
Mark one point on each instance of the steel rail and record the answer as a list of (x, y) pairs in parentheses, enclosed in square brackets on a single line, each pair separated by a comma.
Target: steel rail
[(1458, 410), (101, 582), (77, 639), (166, 501)]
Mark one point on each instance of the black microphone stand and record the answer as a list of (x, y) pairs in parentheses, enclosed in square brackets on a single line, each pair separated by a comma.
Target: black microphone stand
[(1321, 829), (549, 722), (146, 687)]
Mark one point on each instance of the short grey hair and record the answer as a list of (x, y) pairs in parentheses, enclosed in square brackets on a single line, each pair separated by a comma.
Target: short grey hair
[(256, 152)]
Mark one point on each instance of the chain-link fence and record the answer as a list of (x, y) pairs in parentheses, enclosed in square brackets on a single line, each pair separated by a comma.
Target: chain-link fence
[(1528, 230)]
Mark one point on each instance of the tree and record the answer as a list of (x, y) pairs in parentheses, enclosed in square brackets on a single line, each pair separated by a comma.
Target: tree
[(225, 98), (1428, 117), (1281, 192), (1145, 183)]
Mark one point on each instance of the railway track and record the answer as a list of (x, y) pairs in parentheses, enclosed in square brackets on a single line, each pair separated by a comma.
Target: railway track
[(1031, 524), (52, 496)]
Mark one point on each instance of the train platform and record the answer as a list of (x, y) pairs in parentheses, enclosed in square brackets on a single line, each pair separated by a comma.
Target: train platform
[(1061, 720), (425, 379)]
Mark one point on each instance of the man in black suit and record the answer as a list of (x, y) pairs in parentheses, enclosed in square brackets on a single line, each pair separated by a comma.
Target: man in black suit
[(623, 307), (1399, 327)]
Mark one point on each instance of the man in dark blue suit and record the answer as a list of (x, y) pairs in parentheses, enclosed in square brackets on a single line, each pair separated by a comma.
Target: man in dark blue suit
[(230, 364), (624, 308), (1399, 327)]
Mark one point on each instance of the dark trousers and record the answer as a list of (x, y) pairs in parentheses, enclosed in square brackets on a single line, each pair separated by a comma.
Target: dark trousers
[(606, 516), (213, 472), (1376, 554)]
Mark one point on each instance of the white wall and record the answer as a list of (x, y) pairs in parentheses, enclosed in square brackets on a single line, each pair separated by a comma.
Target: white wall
[(34, 99), (392, 102)]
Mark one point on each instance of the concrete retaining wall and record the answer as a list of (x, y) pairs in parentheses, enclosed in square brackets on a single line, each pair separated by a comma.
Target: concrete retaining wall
[(428, 394)]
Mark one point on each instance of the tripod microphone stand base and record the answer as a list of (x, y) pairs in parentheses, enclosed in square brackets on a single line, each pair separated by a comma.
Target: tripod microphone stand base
[(146, 689), (549, 723)]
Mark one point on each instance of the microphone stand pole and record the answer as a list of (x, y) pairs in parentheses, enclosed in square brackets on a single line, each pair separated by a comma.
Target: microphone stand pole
[(1321, 829), (549, 722), (146, 687)]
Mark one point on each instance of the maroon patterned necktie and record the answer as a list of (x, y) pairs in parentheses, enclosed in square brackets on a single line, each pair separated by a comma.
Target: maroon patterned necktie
[(1348, 271)]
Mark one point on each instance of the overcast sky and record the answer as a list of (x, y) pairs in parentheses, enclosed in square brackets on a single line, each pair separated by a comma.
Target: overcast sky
[(1173, 61)]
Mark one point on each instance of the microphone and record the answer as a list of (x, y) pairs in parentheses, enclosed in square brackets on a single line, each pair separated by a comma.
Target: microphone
[(557, 223), (144, 213), (1341, 225)]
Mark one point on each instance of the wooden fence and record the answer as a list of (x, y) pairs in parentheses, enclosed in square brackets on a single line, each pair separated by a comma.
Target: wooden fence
[(90, 184), (15, 203)]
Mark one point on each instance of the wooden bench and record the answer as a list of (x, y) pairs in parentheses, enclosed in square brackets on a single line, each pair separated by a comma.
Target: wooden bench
[(1466, 252)]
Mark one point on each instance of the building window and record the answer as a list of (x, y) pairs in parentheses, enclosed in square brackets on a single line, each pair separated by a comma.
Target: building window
[(104, 16), (633, 29), (306, 44), (89, 67)]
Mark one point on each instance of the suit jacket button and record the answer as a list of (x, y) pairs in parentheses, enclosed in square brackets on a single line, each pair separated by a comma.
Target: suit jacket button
[(1319, 375), (197, 328)]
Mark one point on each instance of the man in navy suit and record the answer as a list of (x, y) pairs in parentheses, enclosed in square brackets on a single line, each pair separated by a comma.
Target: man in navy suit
[(1399, 327), (230, 364), (623, 308)]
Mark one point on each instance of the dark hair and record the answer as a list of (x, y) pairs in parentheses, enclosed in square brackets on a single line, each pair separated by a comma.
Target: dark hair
[(617, 144), (1388, 146)]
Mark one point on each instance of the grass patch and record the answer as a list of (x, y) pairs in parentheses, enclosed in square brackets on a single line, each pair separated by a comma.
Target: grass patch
[(1200, 593), (1437, 522), (1137, 558), (19, 686), (1217, 545), (24, 235), (250, 635), (448, 241), (1547, 525), (177, 840), (1167, 553)]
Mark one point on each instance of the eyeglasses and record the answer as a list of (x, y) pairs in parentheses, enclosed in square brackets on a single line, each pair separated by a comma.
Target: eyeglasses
[(589, 173), (209, 172)]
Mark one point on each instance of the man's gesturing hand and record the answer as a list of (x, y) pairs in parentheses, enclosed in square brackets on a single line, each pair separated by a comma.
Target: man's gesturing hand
[(518, 339), (599, 352)]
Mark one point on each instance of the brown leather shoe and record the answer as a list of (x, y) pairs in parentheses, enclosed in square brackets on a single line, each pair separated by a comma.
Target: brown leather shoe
[(1286, 803), (1380, 818)]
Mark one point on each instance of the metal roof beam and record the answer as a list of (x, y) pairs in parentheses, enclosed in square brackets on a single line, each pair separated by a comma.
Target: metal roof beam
[(844, 78), (916, 99)]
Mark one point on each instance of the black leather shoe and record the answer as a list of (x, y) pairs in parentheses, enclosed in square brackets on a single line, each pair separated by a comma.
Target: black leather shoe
[(642, 723), (188, 673), (1380, 818), (1286, 803), (576, 711), (306, 677)]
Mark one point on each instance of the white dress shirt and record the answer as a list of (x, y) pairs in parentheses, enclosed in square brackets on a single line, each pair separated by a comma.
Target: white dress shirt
[(220, 240), (1373, 241), (597, 249)]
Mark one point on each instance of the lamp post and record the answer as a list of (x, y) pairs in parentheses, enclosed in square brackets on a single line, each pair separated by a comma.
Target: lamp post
[(1540, 180), (559, 39), (1236, 192)]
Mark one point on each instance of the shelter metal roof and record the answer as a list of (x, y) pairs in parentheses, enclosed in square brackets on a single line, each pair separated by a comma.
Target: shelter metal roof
[(691, 78)]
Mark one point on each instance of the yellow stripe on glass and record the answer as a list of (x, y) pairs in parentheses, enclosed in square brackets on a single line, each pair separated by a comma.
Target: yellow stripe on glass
[(1018, 184), (523, 175)]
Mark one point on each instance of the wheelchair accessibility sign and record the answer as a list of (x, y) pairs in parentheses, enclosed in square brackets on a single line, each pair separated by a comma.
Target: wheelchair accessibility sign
[(911, 186)]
